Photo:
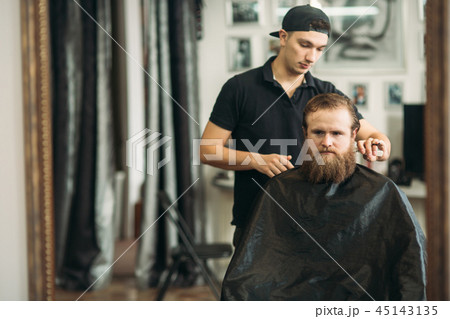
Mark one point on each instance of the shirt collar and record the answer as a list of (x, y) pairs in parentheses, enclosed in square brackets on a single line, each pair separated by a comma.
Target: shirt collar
[(267, 70)]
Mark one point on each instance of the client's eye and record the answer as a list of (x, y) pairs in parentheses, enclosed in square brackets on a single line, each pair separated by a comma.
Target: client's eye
[(318, 132)]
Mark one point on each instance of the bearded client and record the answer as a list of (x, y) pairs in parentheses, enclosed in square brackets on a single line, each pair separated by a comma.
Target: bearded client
[(329, 229)]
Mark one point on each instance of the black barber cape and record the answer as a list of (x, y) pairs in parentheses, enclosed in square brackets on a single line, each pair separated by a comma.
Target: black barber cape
[(373, 246)]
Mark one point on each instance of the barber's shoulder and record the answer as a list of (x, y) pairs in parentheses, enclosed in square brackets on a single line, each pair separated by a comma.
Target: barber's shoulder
[(249, 77), (321, 85), (243, 82)]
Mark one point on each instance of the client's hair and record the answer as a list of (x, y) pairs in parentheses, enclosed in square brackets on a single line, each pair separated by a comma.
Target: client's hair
[(331, 101)]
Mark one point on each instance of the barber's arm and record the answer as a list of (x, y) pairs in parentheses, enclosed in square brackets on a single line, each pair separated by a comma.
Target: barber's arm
[(370, 140), (214, 152)]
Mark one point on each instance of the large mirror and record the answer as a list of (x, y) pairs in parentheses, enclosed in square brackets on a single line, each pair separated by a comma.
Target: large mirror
[(37, 84)]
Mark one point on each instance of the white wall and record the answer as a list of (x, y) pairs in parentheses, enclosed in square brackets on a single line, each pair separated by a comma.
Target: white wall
[(213, 74), (13, 265)]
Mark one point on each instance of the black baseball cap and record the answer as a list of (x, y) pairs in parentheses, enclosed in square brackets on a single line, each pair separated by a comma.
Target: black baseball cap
[(299, 19)]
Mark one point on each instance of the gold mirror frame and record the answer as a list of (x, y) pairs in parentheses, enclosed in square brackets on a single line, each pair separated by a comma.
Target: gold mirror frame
[(38, 148)]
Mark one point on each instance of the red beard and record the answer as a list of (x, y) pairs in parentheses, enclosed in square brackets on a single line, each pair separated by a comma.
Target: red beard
[(337, 167)]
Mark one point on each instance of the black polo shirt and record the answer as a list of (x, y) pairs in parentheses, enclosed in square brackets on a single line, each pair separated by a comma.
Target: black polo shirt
[(253, 106)]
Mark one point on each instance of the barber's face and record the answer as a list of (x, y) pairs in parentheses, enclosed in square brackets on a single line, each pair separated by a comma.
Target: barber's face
[(331, 132), (300, 50)]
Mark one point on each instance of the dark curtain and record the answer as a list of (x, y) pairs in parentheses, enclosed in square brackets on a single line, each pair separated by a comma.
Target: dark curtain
[(82, 142), (185, 91), (172, 107)]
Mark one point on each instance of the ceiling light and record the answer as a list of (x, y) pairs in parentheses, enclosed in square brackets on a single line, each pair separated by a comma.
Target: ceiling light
[(351, 11)]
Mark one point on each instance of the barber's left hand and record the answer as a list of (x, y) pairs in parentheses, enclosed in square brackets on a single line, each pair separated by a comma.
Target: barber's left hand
[(373, 149)]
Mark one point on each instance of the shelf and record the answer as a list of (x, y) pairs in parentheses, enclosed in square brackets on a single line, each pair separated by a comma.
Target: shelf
[(224, 179), (223, 183), (417, 189)]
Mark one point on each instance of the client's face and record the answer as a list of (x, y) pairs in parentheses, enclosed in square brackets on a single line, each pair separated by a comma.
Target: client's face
[(330, 130)]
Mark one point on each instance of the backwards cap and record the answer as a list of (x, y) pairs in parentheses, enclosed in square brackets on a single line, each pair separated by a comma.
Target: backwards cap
[(299, 19)]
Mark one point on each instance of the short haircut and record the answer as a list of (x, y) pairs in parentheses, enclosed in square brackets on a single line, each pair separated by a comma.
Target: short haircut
[(320, 24), (331, 101)]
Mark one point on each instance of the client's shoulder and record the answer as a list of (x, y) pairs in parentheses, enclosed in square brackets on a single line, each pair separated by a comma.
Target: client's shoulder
[(287, 178), (370, 176)]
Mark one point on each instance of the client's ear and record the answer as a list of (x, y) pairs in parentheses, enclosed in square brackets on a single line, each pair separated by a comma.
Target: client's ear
[(355, 131), (304, 131)]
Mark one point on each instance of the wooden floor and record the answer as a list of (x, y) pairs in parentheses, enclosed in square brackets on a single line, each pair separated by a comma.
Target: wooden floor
[(124, 288)]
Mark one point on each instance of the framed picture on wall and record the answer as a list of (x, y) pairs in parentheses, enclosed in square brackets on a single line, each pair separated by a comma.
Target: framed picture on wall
[(394, 95), (240, 12), (239, 53), (359, 94), (367, 36), (281, 7)]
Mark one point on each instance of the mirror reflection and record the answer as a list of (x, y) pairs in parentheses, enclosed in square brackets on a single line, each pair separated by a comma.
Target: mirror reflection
[(134, 84)]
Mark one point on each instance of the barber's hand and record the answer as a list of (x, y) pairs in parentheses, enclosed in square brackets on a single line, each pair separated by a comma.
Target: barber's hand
[(373, 149), (271, 164)]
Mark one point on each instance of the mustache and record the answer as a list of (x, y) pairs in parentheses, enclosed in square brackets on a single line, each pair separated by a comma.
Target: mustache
[(327, 150)]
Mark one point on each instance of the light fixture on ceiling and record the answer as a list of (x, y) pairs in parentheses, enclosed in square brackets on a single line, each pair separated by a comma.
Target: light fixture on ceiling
[(351, 11)]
